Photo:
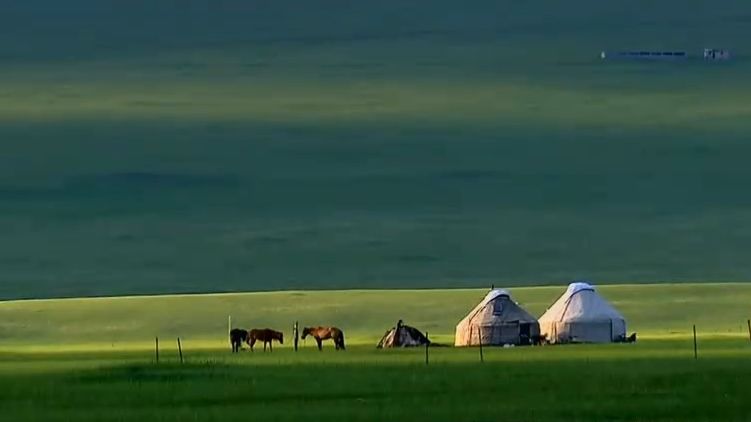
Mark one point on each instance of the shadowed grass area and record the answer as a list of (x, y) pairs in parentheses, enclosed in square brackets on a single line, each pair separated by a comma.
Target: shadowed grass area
[(655, 380)]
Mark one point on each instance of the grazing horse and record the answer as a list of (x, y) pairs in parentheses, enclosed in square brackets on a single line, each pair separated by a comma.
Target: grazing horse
[(325, 333), (237, 337), (539, 340), (265, 335)]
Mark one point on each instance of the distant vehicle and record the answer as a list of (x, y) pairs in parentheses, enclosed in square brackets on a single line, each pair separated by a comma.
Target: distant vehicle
[(644, 55), (716, 54), (710, 54)]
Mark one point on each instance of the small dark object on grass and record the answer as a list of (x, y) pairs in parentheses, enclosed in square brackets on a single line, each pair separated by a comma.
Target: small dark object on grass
[(402, 336)]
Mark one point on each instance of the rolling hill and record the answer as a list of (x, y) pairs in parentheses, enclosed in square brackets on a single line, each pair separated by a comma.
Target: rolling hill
[(246, 146)]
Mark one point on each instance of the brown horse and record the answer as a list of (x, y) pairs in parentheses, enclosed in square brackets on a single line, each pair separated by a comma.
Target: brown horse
[(265, 335), (325, 333)]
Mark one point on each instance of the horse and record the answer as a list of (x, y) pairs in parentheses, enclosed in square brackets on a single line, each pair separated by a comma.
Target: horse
[(325, 333), (631, 338), (265, 335), (539, 340), (237, 337)]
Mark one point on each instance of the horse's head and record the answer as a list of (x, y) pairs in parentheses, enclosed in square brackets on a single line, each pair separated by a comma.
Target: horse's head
[(305, 332), (281, 338)]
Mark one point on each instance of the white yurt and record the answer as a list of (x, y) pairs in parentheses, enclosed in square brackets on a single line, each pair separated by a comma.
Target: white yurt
[(496, 321), (581, 315)]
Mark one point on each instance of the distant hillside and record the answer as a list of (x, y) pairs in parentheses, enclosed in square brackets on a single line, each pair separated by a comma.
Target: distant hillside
[(239, 146)]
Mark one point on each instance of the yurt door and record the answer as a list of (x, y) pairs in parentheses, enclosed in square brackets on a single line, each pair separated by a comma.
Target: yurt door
[(524, 333), (509, 333)]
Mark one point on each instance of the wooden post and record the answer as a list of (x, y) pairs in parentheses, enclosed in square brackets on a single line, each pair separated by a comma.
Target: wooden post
[(696, 351), (427, 349), (157, 349), (229, 330), (296, 334), (180, 349), (482, 358), (749, 329)]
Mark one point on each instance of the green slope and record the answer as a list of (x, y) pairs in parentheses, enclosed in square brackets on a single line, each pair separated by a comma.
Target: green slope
[(92, 359), (122, 323), (278, 145)]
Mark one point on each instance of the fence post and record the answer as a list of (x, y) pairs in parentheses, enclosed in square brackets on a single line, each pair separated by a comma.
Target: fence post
[(157, 349), (296, 334), (180, 349), (482, 358), (427, 347), (749, 329), (229, 330), (696, 351)]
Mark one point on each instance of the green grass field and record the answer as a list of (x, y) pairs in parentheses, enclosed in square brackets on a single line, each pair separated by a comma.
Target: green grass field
[(276, 145), (658, 311), (656, 381), (93, 359), (151, 147)]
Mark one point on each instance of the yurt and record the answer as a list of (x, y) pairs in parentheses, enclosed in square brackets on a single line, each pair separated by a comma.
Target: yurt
[(581, 315), (497, 321), (402, 336)]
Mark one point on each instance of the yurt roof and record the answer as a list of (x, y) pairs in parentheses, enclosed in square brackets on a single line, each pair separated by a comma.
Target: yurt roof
[(490, 297), (580, 302)]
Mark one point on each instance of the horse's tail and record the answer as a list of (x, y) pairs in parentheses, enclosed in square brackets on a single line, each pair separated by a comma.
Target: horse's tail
[(341, 340)]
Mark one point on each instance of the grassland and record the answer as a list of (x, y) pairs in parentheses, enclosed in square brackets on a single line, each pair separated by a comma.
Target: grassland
[(649, 381), (91, 359), (272, 145), (660, 310), (243, 146)]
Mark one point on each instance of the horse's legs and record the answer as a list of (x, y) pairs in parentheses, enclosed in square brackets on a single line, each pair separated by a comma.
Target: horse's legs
[(252, 343), (264, 346), (271, 344), (320, 343)]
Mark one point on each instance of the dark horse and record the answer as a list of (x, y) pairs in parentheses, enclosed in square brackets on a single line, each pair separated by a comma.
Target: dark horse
[(539, 340), (237, 337), (325, 333), (265, 335)]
